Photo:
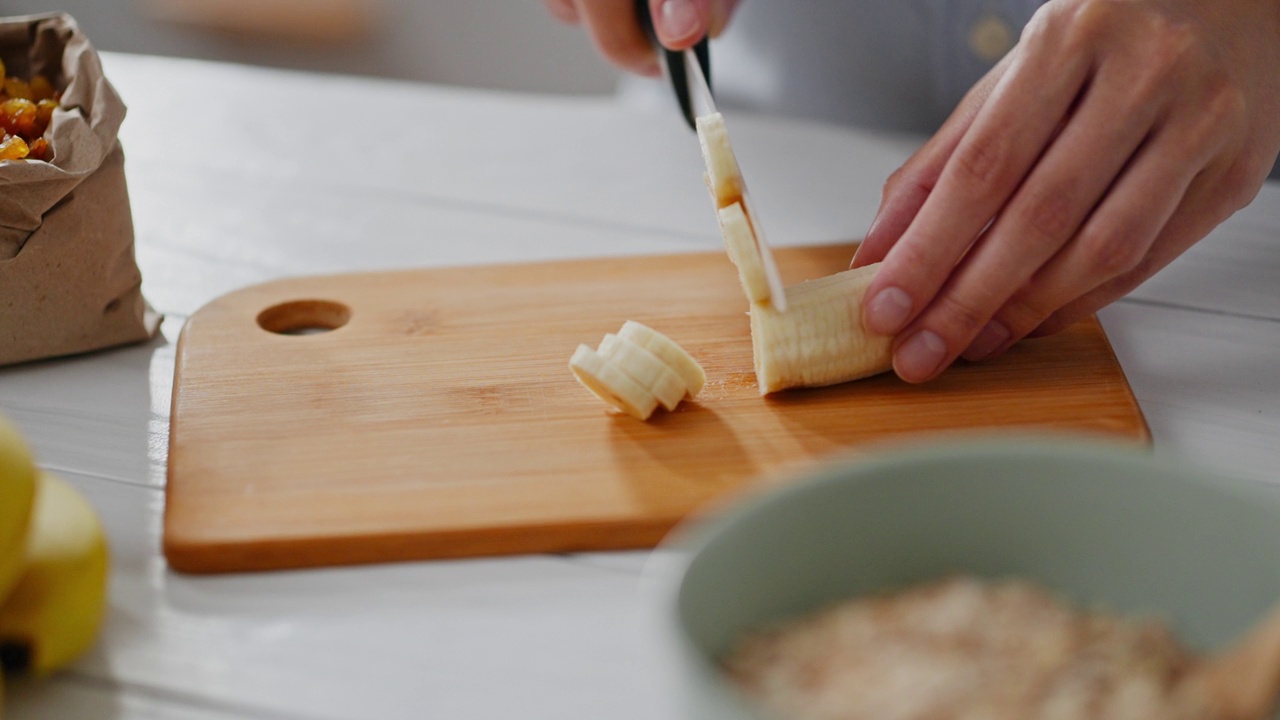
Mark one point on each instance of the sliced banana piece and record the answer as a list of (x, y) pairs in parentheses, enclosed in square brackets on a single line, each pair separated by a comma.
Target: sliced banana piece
[(820, 339), (740, 242), (669, 351), (608, 382), (723, 174), (645, 368)]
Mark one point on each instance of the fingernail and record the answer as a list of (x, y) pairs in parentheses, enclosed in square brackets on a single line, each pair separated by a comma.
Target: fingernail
[(992, 337), (679, 19), (920, 357), (874, 222), (888, 311)]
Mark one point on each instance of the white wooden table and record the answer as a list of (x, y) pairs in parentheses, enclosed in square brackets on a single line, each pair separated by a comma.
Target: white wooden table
[(240, 175)]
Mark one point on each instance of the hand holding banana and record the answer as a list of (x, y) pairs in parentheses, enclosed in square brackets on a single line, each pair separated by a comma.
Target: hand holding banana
[(53, 565), (1114, 136)]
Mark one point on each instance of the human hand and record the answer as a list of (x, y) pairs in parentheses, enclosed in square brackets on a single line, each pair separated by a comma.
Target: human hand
[(1114, 136), (615, 28)]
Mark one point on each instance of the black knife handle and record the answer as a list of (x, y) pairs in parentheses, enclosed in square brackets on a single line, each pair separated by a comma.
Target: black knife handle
[(674, 62)]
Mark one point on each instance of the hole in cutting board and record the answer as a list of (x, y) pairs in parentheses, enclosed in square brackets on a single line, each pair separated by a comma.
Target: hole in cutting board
[(304, 317)]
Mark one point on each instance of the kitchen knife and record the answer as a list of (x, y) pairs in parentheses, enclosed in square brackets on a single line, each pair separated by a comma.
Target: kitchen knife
[(704, 104)]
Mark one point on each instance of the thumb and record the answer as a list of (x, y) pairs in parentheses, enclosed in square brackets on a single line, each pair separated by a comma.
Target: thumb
[(680, 24)]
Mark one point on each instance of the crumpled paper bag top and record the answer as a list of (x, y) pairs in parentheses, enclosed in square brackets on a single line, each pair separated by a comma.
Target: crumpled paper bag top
[(69, 282), (83, 130)]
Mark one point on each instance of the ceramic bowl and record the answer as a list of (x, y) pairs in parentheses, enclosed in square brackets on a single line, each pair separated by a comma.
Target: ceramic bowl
[(1105, 525)]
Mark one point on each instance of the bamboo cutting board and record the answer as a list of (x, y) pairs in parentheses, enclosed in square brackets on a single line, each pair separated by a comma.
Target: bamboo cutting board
[(438, 418)]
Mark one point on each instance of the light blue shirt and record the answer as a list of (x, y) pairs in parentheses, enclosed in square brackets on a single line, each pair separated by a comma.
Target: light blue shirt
[(880, 64), (901, 64), (884, 64)]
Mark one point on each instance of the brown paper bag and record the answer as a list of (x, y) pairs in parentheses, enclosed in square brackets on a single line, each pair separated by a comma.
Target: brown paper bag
[(68, 279)]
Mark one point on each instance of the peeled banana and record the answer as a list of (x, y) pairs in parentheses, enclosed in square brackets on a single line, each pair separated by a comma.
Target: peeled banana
[(638, 369), (820, 338), (54, 611), (17, 492)]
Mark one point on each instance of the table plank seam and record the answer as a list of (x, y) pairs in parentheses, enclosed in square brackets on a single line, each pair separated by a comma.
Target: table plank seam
[(177, 697), (1169, 305)]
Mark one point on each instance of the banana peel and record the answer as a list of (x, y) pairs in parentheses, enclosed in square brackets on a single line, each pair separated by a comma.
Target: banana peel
[(17, 493), (53, 613)]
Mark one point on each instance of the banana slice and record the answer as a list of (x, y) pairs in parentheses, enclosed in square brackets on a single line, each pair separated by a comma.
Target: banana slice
[(608, 382), (645, 368), (740, 242), (820, 339), (669, 351), (723, 174)]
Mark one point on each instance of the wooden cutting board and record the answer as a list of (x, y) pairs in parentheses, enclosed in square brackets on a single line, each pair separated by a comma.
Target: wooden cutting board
[(439, 419)]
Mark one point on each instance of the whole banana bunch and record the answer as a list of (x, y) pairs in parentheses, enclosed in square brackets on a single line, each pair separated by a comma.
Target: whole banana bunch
[(53, 565)]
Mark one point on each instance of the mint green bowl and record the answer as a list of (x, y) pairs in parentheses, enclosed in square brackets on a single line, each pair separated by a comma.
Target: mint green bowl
[(1105, 525)]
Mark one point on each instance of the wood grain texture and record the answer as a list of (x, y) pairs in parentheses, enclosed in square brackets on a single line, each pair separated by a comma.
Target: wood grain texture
[(441, 419)]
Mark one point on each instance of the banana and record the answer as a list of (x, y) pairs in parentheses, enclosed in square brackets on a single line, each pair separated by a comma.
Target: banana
[(723, 174), (17, 492), (54, 612), (645, 368), (638, 369), (669, 351), (740, 242), (820, 339), (609, 383)]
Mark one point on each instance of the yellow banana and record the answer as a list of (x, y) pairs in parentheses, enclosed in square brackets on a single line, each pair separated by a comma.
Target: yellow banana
[(53, 613), (17, 492)]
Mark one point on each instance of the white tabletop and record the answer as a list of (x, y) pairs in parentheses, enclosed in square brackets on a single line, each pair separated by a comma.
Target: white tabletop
[(240, 175)]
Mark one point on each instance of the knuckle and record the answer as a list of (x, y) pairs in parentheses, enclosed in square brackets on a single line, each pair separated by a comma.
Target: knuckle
[(1025, 311), (1083, 21), (1110, 254), (894, 181), (1226, 104), (907, 182), (911, 255), (962, 317), (984, 160), (1171, 46), (1052, 216), (1240, 184)]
